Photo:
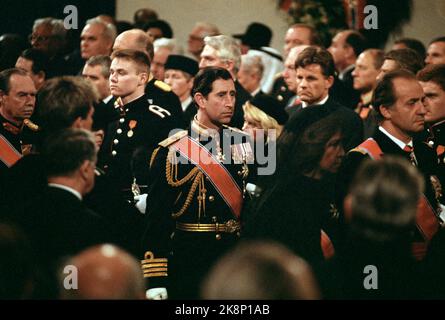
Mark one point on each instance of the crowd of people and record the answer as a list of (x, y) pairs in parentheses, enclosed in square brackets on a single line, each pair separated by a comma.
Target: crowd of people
[(222, 169)]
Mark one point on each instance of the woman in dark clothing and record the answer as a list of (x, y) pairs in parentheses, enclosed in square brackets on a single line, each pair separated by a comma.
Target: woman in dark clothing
[(295, 199)]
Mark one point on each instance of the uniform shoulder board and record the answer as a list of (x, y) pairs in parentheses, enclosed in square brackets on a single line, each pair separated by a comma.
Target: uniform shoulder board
[(178, 135), (235, 129), (31, 125), (162, 85)]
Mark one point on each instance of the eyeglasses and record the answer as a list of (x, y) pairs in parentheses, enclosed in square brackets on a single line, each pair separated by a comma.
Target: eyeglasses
[(36, 38)]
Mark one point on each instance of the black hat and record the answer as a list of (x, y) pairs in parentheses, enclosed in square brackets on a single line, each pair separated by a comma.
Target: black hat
[(257, 35), (271, 107), (182, 63)]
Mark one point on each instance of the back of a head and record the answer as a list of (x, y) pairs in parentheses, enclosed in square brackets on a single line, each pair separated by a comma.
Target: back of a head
[(260, 270), (383, 199), (106, 272), (406, 59), (164, 26), (66, 151), (143, 16), (135, 39), (62, 100)]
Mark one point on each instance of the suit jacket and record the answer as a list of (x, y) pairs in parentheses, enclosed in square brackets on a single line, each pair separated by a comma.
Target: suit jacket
[(351, 123), (59, 224)]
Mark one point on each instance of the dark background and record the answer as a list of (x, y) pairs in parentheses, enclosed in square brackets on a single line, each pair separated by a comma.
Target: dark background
[(17, 16)]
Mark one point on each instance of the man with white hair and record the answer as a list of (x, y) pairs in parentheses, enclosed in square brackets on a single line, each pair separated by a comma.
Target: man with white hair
[(224, 51), (250, 73), (163, 47), (97, 38)]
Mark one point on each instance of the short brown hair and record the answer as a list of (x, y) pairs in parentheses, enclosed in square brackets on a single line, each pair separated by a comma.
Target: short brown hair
[(434, 73), (317, 55), (5, 78), (136, 56), (314, 38)]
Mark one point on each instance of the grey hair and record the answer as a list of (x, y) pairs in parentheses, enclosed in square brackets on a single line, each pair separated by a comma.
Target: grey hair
[(109, 29), (252, 64), (227, 48), (57, 27), (170, 44)]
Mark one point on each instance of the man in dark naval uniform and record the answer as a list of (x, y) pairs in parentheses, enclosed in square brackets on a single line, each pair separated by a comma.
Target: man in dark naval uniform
[(142, 124), (196, 193), (398, 100), (17, 101), (432, 80)]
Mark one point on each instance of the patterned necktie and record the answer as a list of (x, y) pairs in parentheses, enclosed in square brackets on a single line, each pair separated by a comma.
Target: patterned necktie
[(410, 150)]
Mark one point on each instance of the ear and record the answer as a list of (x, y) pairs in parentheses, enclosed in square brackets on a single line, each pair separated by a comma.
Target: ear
[(385, 112), (84, 168), (143, 78), (200, 100), (229, 65), (77, 124), (329, 82)]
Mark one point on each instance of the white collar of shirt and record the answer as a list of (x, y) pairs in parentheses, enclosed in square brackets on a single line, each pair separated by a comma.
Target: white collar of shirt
[(71, 190), (400, 143), (254, 92), (186, 102), (107, 99), (304, 104)]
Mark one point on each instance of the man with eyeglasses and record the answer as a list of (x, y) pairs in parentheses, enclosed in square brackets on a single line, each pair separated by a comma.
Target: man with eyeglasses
[(48, 35)]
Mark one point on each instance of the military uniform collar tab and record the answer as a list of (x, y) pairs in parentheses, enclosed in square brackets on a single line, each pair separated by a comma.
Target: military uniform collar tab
[(202, 130)]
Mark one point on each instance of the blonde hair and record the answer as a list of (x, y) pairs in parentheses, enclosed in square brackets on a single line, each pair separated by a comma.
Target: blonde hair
[(266, 122)]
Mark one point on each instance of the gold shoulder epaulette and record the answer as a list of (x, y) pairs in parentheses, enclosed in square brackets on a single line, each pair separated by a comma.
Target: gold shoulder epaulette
[(178, 135), (235, 129), (31, 125), (360, 150), (162, 85)]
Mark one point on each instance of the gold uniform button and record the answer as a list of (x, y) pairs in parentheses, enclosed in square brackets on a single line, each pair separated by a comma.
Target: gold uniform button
[(218, 237), (119, 131), (121, 120), (211, 198), (113, 153), (115, 141), (280, 98)]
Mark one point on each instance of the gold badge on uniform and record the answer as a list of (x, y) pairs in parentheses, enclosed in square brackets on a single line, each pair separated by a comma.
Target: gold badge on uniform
[(132, 124)]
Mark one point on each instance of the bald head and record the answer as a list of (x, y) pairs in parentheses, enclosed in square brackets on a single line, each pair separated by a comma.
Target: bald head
[(134, 39), (106, 272)]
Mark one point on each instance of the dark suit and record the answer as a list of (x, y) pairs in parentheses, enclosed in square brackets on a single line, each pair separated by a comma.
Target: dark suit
[(190, 112), (351, 123)]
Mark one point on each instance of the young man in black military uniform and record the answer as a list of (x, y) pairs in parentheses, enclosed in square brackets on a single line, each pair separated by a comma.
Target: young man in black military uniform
[(17, 102), (432, 80), (141, 125), (157, 91), (197, 192), (398, 101)]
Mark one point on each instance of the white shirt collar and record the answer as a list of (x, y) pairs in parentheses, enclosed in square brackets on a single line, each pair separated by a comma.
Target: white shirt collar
[(107, 99), (186, 102), (341, 75), (63, 187), (399, 142), (304, 104), (254, 92)]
